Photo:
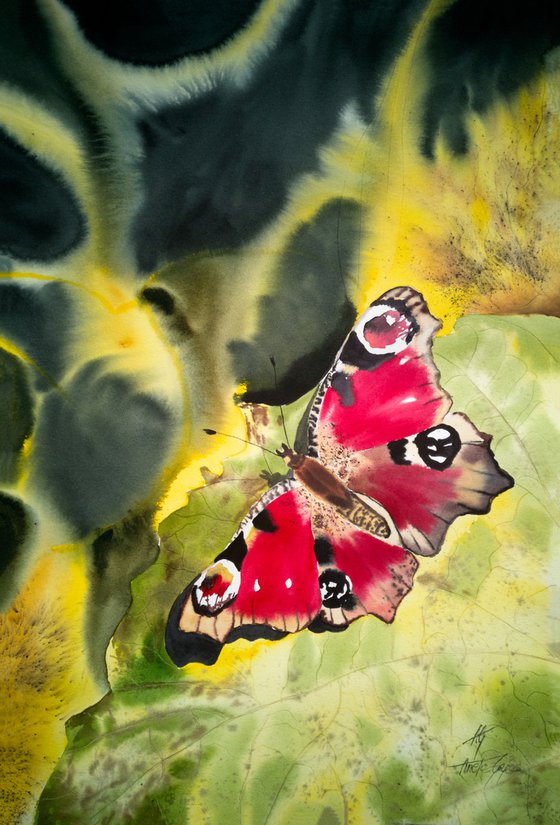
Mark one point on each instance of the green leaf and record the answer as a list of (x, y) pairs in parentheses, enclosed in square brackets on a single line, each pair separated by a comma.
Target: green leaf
[(377, 724)]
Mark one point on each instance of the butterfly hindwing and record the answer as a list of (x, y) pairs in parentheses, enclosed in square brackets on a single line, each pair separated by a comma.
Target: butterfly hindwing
[(294, 563), (358, 574), (429, 479)]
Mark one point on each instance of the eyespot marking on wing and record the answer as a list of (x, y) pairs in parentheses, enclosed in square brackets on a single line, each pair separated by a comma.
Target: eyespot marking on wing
[(385, 329), (435, 447), (336, 589), (216, 587)]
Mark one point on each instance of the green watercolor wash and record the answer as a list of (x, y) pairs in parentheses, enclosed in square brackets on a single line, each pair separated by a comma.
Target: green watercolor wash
[(182, 768), (267, 784), (168, 805), (402, 798), (328, 817), (471, 563), (449, 675), (533, 524), (304, 664), (369, 733)]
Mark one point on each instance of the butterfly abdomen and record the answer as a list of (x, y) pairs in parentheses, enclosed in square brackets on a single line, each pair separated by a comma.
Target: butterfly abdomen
[(367, 518)]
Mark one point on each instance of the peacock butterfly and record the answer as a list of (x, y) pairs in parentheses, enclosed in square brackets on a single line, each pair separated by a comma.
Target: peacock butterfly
[(386, 469)]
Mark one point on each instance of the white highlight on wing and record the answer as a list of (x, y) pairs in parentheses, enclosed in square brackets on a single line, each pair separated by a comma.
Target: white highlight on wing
[(288, 583), (440, 434)]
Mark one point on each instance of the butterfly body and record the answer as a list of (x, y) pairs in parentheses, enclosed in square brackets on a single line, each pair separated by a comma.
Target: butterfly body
[(386, 468), (325, 486)]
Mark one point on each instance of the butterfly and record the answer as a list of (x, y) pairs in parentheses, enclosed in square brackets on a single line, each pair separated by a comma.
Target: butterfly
[(385, 470)]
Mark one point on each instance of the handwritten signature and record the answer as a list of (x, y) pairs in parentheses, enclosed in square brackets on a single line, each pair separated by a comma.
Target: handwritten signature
[(489, 762), (492, 765), (479, 736)]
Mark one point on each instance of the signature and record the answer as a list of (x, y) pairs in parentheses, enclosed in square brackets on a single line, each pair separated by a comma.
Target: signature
[(479, 736), (492, 765), (488, 762)]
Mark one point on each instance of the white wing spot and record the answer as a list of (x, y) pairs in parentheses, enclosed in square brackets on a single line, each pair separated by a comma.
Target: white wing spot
[(288, 583), (440, 434), (408, 400), (256, 586), (404, 360)]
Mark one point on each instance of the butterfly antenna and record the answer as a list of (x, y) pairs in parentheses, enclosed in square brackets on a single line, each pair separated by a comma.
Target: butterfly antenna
[(273, 362), (237, 438)]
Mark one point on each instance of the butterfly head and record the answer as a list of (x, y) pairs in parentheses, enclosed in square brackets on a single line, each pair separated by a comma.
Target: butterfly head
[(292, 459)]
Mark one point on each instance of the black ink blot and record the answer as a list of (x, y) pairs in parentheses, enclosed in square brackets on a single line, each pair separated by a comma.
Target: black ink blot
[(342, 385), (397, 451), (235, 551)]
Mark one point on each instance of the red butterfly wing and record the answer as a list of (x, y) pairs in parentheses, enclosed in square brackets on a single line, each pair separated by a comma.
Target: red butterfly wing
[(264, 584), (380, 422), (358, 574), (427, 480), (384, 384)]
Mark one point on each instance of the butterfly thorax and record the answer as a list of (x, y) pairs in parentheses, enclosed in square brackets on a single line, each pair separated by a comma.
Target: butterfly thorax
[(324, 485)]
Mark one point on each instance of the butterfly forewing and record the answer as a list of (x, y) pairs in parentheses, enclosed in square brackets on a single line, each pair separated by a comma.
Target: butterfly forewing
[(265, 580), (384, 384)]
